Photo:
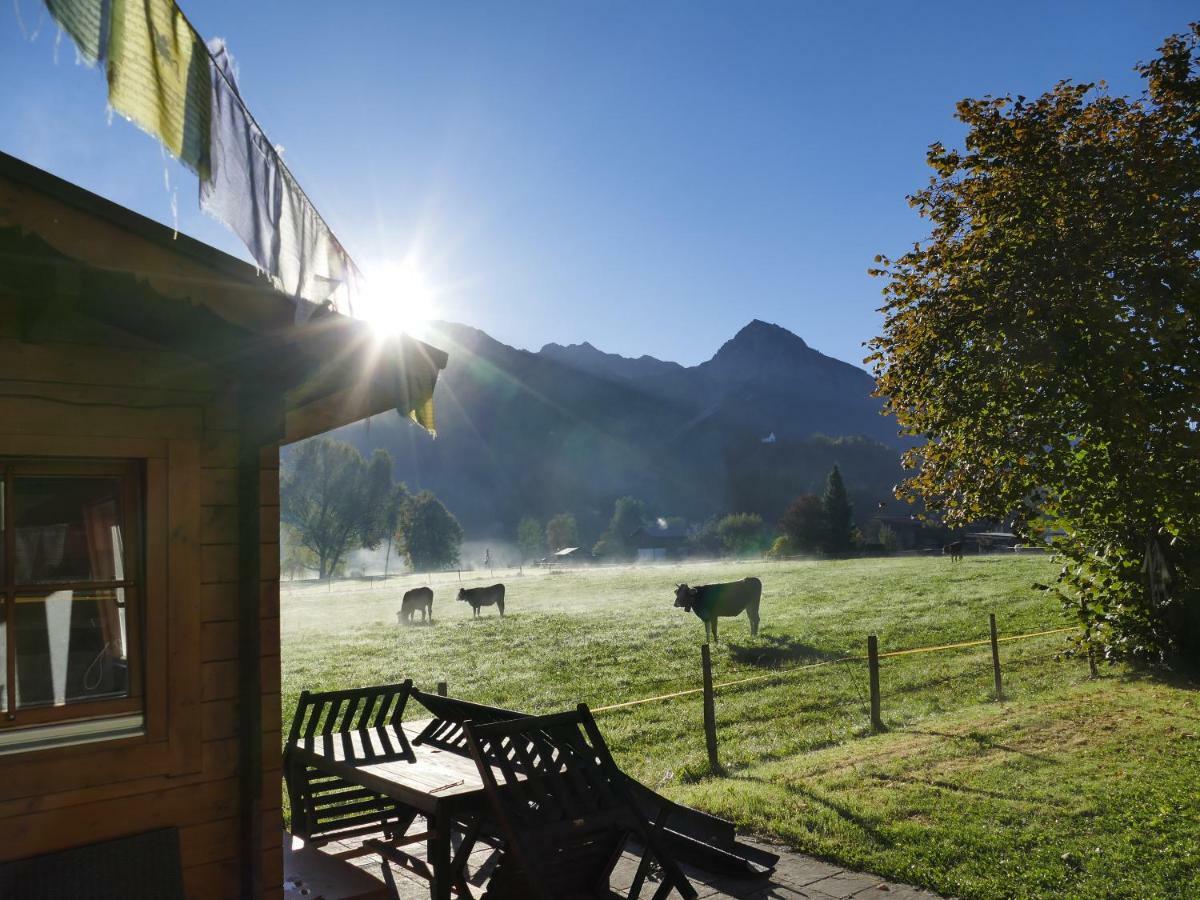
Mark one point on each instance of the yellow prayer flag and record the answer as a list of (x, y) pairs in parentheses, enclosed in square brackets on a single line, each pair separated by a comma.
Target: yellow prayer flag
[(158, 76)]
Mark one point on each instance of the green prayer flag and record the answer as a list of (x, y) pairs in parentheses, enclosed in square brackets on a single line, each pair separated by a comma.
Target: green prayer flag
[(158, 76), (86, 21)]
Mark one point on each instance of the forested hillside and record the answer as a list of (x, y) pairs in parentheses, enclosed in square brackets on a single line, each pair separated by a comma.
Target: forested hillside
[(570, 429)]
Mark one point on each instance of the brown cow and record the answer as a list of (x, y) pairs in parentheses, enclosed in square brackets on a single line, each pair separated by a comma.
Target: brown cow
[(710, 601), (483, 596), (419, 598)]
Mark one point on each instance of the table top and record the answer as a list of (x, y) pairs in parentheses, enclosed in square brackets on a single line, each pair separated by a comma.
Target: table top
[(385, 760)]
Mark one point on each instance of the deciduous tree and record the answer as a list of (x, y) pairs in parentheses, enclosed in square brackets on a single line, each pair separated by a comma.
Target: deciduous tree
[(561, 531), (395, 508), (529, 538), (706, 539), (804, 524), (1044, 341), (429, 533), (629, 514), (334, 500), (741, 534)]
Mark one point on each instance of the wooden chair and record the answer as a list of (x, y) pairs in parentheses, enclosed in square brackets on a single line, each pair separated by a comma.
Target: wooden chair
[(325, 807), (445, 729), (698, 838), (564, 809)]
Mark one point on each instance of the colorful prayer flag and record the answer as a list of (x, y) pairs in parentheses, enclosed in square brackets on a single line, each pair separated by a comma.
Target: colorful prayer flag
[(86, 21), (158, 77), (252, 191)]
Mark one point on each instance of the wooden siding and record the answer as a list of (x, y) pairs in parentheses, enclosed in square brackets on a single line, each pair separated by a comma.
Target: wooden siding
[(79, 389)]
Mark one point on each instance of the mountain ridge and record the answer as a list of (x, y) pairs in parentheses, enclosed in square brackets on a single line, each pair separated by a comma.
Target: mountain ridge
[(569, 428), (755, 330)]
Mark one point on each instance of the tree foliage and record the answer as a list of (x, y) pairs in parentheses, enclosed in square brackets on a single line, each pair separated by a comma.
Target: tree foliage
[(888, 538), (839, 515), (398, 499), (804, 524), (742, 534), (295, 560), (629, 514), (561, 531), (1045, 341), (429, 534), (705, 540), (335, 500), (529, 538)]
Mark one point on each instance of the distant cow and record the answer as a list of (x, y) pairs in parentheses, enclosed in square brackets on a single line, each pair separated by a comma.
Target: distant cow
[(954, 551), (420, 598), (710, 601), (483, 596)]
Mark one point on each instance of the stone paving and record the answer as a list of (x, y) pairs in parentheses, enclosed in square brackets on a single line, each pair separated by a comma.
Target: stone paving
[(795, 877)]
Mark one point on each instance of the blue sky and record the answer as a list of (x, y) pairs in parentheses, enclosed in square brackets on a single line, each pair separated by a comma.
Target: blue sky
[(645, 176)]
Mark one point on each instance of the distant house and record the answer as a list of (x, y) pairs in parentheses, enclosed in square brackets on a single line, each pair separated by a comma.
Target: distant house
[(659, 541), (567, 556), (987, 541)]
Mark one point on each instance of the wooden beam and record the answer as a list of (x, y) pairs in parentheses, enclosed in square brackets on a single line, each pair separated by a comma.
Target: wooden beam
[(261, 425)]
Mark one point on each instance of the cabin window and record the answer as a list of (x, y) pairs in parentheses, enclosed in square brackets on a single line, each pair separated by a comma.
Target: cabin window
[(70, 570)]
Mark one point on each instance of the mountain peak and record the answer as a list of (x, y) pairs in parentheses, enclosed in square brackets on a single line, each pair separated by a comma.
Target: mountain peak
[(761, 343), (762, 332)]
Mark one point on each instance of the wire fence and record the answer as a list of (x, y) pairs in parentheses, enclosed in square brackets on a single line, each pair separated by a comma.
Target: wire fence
[(855, 693), (788, 671)]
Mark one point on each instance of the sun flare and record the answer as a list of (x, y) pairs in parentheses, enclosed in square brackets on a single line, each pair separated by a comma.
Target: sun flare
[(398, 298)]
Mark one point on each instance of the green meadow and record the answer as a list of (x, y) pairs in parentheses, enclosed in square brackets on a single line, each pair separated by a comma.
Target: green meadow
[(1071, 786)]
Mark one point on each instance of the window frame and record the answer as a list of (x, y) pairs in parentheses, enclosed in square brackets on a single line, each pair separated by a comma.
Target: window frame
[(169, 742), (130, 476)]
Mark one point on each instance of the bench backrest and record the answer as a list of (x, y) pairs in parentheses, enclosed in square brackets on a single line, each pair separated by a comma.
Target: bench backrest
[(354, 709), (325, 806), (445, 730), (562, 804)]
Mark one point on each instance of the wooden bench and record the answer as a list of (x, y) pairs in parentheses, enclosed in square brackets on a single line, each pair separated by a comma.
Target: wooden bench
[(692, 836), (325, 807)]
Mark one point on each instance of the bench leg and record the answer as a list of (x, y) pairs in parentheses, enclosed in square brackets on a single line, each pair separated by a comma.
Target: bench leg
[(470, 838), (439, 858)]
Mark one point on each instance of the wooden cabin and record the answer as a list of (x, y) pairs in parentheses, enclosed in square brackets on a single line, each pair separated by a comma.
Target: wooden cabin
[(147, 382)]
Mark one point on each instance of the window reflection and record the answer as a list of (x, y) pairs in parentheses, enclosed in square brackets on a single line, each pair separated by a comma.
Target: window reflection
[(66, 529), (70, 645)]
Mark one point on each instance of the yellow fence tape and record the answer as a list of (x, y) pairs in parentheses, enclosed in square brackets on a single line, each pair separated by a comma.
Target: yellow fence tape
[(829, 662)]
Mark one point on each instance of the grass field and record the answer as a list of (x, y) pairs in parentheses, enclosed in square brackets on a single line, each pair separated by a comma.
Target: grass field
[(963, 794)]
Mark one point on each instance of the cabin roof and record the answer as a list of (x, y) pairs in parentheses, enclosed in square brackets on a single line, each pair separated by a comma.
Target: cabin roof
[(64, 247)]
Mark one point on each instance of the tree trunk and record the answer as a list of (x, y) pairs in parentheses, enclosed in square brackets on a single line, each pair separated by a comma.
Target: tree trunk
[(387, 559)]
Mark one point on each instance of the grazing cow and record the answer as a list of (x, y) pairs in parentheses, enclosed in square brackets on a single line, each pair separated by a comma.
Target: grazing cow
[(483, 596), (709, 601), (954, 551), (420, 598)]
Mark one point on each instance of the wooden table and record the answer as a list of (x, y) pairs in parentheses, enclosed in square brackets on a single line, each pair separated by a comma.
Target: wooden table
[(441, 785)]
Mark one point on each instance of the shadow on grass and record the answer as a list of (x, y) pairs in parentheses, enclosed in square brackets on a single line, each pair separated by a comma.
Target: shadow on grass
[(775, 652), (983, 742), (841, 811), (949, 786), (1181, 680)]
